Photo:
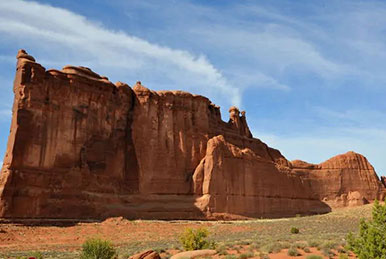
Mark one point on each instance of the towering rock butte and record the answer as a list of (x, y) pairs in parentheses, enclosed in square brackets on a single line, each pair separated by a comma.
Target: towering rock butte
[(81, 147)]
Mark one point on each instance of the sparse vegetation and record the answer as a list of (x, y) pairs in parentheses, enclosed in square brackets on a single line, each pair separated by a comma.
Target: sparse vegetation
[(195, 239), (233, 237), (313, 243), (246, 255), (96, 248), (314, 257), (327, 252), (371, 241), (263, 256), (222, 250), (274, 247), (293, 251), (294, 230), (343, 256), (37, 255)]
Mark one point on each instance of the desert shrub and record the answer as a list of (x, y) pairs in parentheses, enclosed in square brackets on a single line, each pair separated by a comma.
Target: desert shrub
[(293, 251), (222, 250), (230, 257), (294, 230), (326, 251), (263, 256), (329, 245), (245, 256), (96, 248), (343, 256), (314, 257), (36, 255), (300, 245), (313, 243), (196, 239), (285, 244), (371, 241), (272, 248), (307, 250)]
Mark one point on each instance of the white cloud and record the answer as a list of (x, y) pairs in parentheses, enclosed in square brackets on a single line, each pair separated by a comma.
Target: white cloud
[(273, 48), (256, 79), (358, 117), (47, 25)]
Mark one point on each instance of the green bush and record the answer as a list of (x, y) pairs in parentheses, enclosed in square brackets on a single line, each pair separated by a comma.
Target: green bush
[(36, 255), (326, 251), (294, 230), (96, 248), (246, 256), (371, 241), (272, 248), (313, 243), (343, 256), (196, 239), (293, 251), (314, 257)]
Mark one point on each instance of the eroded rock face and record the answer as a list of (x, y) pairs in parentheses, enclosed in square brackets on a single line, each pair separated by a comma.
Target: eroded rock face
[(239, 182), (347, 179), (83, 147), (149, 254)]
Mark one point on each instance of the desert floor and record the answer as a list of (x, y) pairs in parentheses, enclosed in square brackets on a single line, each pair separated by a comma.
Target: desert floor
[(319, 235)]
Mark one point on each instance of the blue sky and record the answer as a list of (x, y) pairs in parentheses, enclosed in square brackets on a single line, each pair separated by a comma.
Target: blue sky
[(310, 74)]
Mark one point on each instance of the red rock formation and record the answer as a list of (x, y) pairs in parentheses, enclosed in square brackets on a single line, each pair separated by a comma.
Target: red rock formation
[(343, 180), (83, 147), (149, 254), (239, 182)]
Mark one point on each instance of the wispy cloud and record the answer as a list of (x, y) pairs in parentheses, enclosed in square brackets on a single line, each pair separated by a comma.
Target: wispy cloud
[(274, 49), (24, 20)]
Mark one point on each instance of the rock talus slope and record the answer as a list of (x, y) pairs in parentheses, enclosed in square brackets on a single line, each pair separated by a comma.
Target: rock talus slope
[(82, 147)]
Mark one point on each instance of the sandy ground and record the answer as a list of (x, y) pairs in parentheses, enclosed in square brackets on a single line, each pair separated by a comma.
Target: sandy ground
[(64, 240)]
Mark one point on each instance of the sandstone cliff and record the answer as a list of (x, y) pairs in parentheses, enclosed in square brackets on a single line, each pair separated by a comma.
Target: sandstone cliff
[(83, 147)]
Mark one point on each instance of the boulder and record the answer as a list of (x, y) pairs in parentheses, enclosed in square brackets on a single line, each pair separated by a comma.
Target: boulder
[(149, 254)]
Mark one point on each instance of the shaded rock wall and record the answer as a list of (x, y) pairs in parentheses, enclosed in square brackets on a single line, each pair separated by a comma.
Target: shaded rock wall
[(83, 147)]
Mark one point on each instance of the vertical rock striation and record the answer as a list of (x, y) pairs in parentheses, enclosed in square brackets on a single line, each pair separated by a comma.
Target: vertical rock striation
[(82, 147)]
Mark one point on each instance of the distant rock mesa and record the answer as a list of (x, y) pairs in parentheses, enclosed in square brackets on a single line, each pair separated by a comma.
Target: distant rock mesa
[(81, 147)]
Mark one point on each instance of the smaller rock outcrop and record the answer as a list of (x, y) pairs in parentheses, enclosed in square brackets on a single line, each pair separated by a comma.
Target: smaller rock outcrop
[(23, 54), (238, 122), (149, 254)]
